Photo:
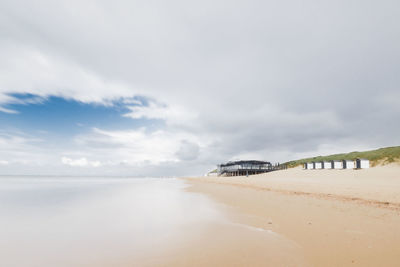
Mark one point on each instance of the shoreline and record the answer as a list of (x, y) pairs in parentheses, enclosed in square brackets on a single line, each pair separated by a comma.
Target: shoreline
[(379, 186), (337, 218)]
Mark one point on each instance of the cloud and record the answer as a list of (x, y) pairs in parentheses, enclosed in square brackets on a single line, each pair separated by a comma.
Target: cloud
[(4, 162), (138, 147), (46, 75), (154, 110), (82, 162), (188, 151), (6, 110), (244, 79), (19, 152)]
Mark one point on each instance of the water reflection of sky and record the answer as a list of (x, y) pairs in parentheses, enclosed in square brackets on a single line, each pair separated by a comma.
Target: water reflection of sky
[(32, 193), (83, 220)]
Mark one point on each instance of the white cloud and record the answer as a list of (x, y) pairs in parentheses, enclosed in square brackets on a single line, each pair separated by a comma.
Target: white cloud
[(19, 152), (81, 162), (132, 101), (136, 147), (188, 151), (46, 75), (6, 110), (171, 114)]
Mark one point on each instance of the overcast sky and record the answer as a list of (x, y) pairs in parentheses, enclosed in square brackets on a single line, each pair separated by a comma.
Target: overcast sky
[(161, 88)]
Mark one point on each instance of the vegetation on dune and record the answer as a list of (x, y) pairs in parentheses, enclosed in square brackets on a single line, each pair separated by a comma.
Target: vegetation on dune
[(379, 156)]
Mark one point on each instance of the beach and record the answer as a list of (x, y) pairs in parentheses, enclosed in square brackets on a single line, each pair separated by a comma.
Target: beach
[(115, 221), (291, 217), (334, 217)]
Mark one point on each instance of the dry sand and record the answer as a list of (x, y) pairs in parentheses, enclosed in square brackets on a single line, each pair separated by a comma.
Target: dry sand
[(333, 217)]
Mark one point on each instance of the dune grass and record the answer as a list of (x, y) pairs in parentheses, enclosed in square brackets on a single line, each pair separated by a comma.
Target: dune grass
[(379, 156)]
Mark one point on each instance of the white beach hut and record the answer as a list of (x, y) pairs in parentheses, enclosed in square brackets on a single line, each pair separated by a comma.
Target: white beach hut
[(327, 165), (362, 163), (348, 164), (318, 165), (337, 164), (310, 165)]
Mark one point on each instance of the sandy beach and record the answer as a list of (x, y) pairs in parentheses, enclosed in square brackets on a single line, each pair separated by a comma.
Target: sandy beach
[(332, 217), (102, 221)]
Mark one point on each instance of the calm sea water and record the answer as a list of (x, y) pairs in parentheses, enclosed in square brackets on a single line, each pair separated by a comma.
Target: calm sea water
[(78, 221)]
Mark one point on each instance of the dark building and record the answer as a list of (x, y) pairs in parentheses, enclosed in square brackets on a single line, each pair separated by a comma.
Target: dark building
[(247, 167)]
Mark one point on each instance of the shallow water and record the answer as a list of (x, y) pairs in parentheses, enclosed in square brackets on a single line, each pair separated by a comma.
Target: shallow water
[(81, 221)]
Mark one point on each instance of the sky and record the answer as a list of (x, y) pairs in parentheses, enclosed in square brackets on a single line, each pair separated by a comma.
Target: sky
[(172, 88)]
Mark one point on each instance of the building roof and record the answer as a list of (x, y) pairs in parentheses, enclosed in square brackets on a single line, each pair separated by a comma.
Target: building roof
[(240, 162)]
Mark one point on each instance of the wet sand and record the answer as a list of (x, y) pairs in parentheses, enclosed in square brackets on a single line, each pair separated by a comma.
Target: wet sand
[(334, 217), (95, 221), (230, 245), (286, 218)]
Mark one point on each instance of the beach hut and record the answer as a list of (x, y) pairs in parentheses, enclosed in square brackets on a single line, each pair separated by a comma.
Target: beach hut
[(318, 165), (348, 164), (310, 166), (337, 164), (327, 165), (362, 163)]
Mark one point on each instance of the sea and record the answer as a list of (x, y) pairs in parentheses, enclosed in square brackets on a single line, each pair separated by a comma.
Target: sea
[(94, 221)]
